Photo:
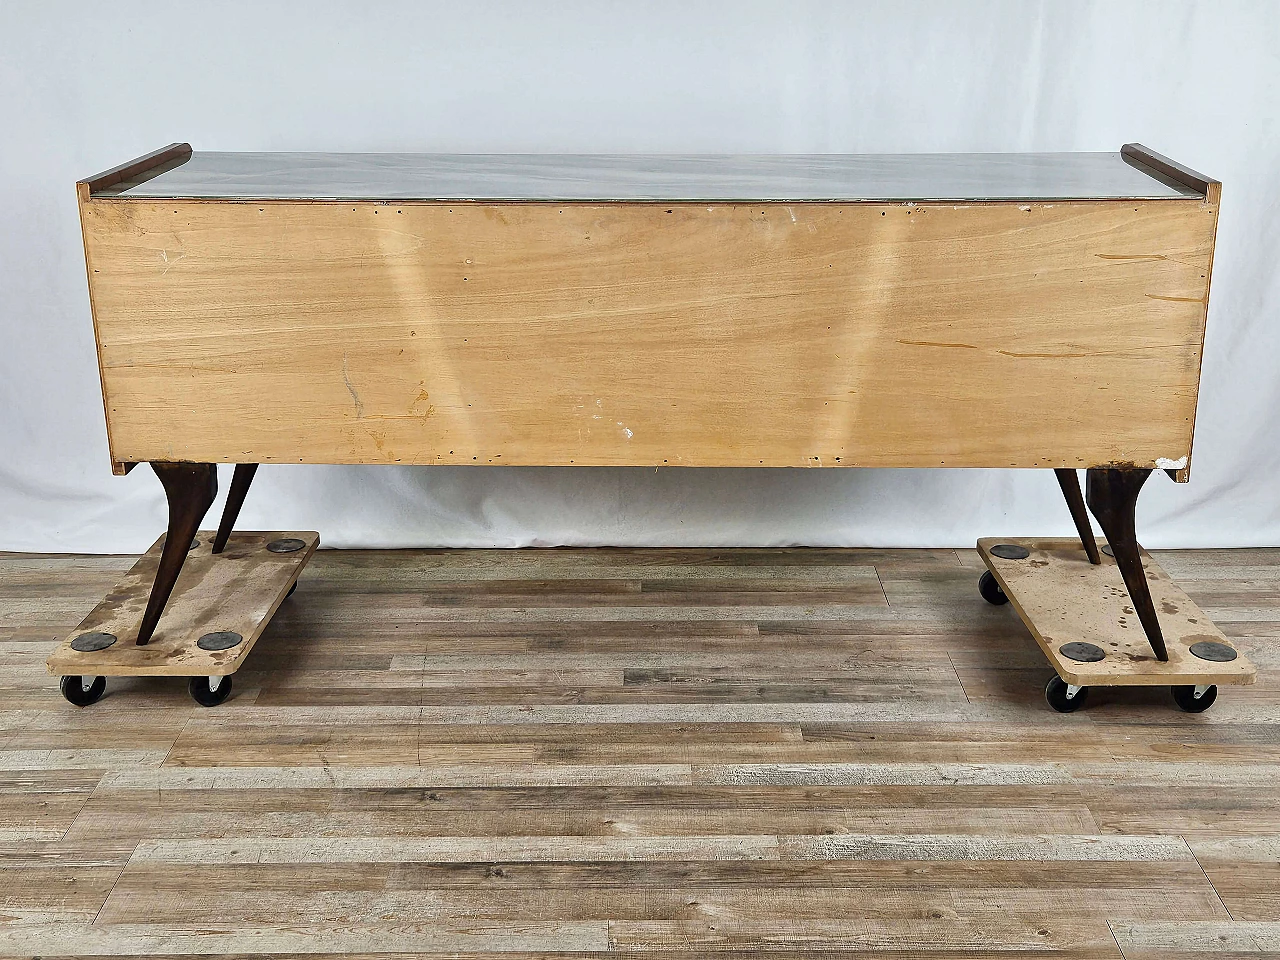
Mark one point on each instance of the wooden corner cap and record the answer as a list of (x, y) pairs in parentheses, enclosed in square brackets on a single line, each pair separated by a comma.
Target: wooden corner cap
[(1163, 168), (154, 162)]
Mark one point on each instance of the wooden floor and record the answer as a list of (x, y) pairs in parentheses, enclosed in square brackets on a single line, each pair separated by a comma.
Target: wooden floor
[(674, 753)]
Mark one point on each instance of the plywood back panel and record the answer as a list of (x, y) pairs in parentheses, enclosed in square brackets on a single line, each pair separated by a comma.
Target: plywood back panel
[(981, 334)]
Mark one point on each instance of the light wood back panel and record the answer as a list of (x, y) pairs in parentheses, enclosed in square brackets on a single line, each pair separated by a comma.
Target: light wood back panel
[(912, 335)]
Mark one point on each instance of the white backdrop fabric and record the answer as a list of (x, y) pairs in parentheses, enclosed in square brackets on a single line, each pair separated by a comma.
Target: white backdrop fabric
[(86, 86)]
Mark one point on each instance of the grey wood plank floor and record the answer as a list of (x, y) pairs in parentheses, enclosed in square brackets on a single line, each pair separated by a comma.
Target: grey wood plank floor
[(673, 753)]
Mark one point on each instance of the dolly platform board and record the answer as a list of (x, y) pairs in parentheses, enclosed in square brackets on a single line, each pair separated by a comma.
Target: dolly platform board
[(1064, 599), (220, 606), (1083, 618), (991, 310)]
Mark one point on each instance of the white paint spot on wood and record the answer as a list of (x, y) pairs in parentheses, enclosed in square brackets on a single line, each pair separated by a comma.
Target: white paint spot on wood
[(164, 255), (1164, 463)]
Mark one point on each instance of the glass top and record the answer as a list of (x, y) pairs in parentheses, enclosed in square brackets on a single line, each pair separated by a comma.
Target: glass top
[(584, 178)]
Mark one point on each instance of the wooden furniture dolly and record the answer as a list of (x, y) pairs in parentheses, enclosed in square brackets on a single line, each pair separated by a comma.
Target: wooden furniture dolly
[(1020, 311)]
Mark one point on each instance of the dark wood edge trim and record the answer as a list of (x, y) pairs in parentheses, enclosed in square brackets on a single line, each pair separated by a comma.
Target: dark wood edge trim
[(180, 152), (1137, 154)]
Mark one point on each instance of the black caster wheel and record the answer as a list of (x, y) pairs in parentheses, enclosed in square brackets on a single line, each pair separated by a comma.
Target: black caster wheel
[(291, 589), (82, 691), (1064, 698), (990, 589), (1191, 702), (204, 692)]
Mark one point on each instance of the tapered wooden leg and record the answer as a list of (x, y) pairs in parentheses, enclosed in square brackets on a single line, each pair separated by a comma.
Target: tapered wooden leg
[(240, 482), (190, 489), (1112, 495), (1069, 481)]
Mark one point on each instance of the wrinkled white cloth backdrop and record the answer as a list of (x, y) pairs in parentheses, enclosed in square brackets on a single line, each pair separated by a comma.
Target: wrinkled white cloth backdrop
[(86, 86)]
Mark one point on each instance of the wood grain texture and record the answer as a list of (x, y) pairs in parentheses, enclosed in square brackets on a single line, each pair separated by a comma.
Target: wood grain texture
[(411, 763), (1062, 334)]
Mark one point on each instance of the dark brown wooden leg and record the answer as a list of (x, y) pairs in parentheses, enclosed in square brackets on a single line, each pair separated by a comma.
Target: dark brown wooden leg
[(190, 489), (240, 482), (1113, 496), (1070, 484)]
